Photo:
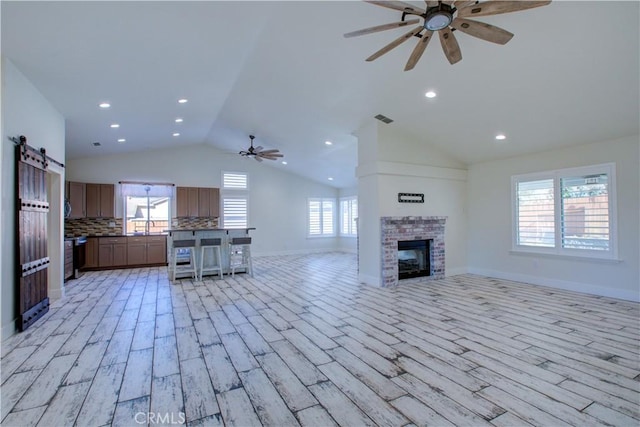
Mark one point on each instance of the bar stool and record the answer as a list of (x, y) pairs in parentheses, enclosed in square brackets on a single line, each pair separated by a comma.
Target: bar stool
[(214, 245), (179, 245), (240, 255)]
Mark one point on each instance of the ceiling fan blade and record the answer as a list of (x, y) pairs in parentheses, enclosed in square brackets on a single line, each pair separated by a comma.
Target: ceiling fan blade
[(381, 28), (398, 5), (462, 4), (271, 155), (418, 50), (257, 158), (498, 7), (258, 148), (482, 31), (395, 43), (450, 45), (273, 150)]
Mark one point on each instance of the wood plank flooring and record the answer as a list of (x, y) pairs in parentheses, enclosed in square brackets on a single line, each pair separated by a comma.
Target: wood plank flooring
[(303, 343)]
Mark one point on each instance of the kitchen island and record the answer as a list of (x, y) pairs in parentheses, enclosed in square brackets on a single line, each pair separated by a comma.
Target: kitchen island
[(197, 234)]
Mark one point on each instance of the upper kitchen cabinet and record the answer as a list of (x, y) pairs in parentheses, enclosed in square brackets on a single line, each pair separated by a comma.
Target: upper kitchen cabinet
[(100, 200), (197, 202), (76, 193), (186, 201), (208, 202)]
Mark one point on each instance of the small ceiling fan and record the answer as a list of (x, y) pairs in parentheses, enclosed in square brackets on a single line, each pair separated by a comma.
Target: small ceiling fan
[(445, 17), (258, 153)]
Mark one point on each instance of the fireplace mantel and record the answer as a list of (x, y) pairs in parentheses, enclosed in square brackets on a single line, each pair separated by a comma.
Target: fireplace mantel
[(397, 228)]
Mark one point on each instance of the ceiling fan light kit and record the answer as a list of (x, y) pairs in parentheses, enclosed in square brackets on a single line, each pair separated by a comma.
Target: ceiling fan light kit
[(445, 17)]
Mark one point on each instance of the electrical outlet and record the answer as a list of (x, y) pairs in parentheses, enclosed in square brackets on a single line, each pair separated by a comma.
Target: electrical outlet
[(112, 224)]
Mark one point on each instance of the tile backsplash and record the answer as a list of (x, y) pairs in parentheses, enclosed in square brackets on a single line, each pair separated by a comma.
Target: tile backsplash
[(93, 227), (193, 222), (115, 227)]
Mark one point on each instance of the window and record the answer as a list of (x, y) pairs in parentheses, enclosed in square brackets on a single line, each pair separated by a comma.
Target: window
[(235, 200), (348, 216), (321, 217), (569, 211), (147, 207)]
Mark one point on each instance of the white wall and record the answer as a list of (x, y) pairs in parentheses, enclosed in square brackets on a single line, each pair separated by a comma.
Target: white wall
[(347, 244), (490, 223), (277, 199), (26, 112), (392, 162)]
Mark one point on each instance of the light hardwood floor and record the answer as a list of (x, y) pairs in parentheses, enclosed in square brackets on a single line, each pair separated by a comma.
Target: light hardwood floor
[(304, 343)]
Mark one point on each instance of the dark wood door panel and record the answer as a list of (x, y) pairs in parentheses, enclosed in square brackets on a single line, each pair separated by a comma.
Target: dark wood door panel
[(32, 208)]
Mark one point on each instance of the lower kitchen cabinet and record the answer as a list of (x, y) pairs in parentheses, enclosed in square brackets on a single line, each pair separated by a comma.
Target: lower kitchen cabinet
[(125, 251), (143, 250), (112, 252), (91, 254), (157, 250), (68, 259)]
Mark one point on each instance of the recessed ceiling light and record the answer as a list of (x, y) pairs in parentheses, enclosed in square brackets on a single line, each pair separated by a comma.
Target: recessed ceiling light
[(183, 101), (501, 136), (179, 120), (122, 140), (284, 163), (328, 143), (96, 144), (176, 134), (115, 125), (330, 179), (430, 94), (104, 105)]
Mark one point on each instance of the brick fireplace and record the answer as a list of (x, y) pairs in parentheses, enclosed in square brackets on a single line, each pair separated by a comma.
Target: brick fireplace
[(396, 229)]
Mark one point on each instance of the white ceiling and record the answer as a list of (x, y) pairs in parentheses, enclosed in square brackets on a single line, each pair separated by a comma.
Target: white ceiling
[(283, 71)]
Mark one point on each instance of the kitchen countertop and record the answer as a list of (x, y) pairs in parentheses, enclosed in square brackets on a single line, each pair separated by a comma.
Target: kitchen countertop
[(207, 229)]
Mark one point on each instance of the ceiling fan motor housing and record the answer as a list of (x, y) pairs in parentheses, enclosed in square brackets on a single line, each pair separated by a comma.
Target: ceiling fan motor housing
[(438, 17)]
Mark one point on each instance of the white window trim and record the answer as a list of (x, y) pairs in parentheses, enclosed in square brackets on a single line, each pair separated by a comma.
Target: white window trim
[(233, 193), (335, 208), (558, 250), (232, 188), (340, 219)]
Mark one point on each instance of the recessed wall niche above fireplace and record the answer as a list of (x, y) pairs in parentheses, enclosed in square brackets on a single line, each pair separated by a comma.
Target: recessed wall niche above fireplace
[(406, 231)]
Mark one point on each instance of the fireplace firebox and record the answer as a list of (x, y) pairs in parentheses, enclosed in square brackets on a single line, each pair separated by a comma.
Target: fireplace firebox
[(414, 258)]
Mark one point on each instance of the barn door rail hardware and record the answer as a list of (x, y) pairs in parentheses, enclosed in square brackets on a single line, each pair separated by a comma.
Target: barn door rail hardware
[(34, 155)]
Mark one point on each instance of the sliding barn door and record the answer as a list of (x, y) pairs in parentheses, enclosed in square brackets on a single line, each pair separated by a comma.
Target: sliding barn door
[(31, 227)]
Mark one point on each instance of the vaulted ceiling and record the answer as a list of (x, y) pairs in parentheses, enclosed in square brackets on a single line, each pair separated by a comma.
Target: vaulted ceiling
[(284, 72)]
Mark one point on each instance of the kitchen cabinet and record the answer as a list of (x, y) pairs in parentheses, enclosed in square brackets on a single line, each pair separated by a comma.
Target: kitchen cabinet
[(68, 259), (156, 250), (75, 194), (143, 250), (91, 254), (112, 252), (100, 200), (208, 202), (197, 202)]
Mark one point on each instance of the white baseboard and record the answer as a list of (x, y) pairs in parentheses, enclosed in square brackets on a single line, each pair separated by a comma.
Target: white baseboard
[(455, 271), (298, 252), (55, 294), (8, 330), (560, 284), (369, 280)]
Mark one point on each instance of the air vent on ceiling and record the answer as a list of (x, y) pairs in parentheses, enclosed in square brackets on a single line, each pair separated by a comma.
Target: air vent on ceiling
[(383, 119), (96, 144)]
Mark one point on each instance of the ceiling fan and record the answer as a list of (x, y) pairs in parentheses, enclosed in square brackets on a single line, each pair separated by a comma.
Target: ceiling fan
[(444, 17), (258, 153)]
